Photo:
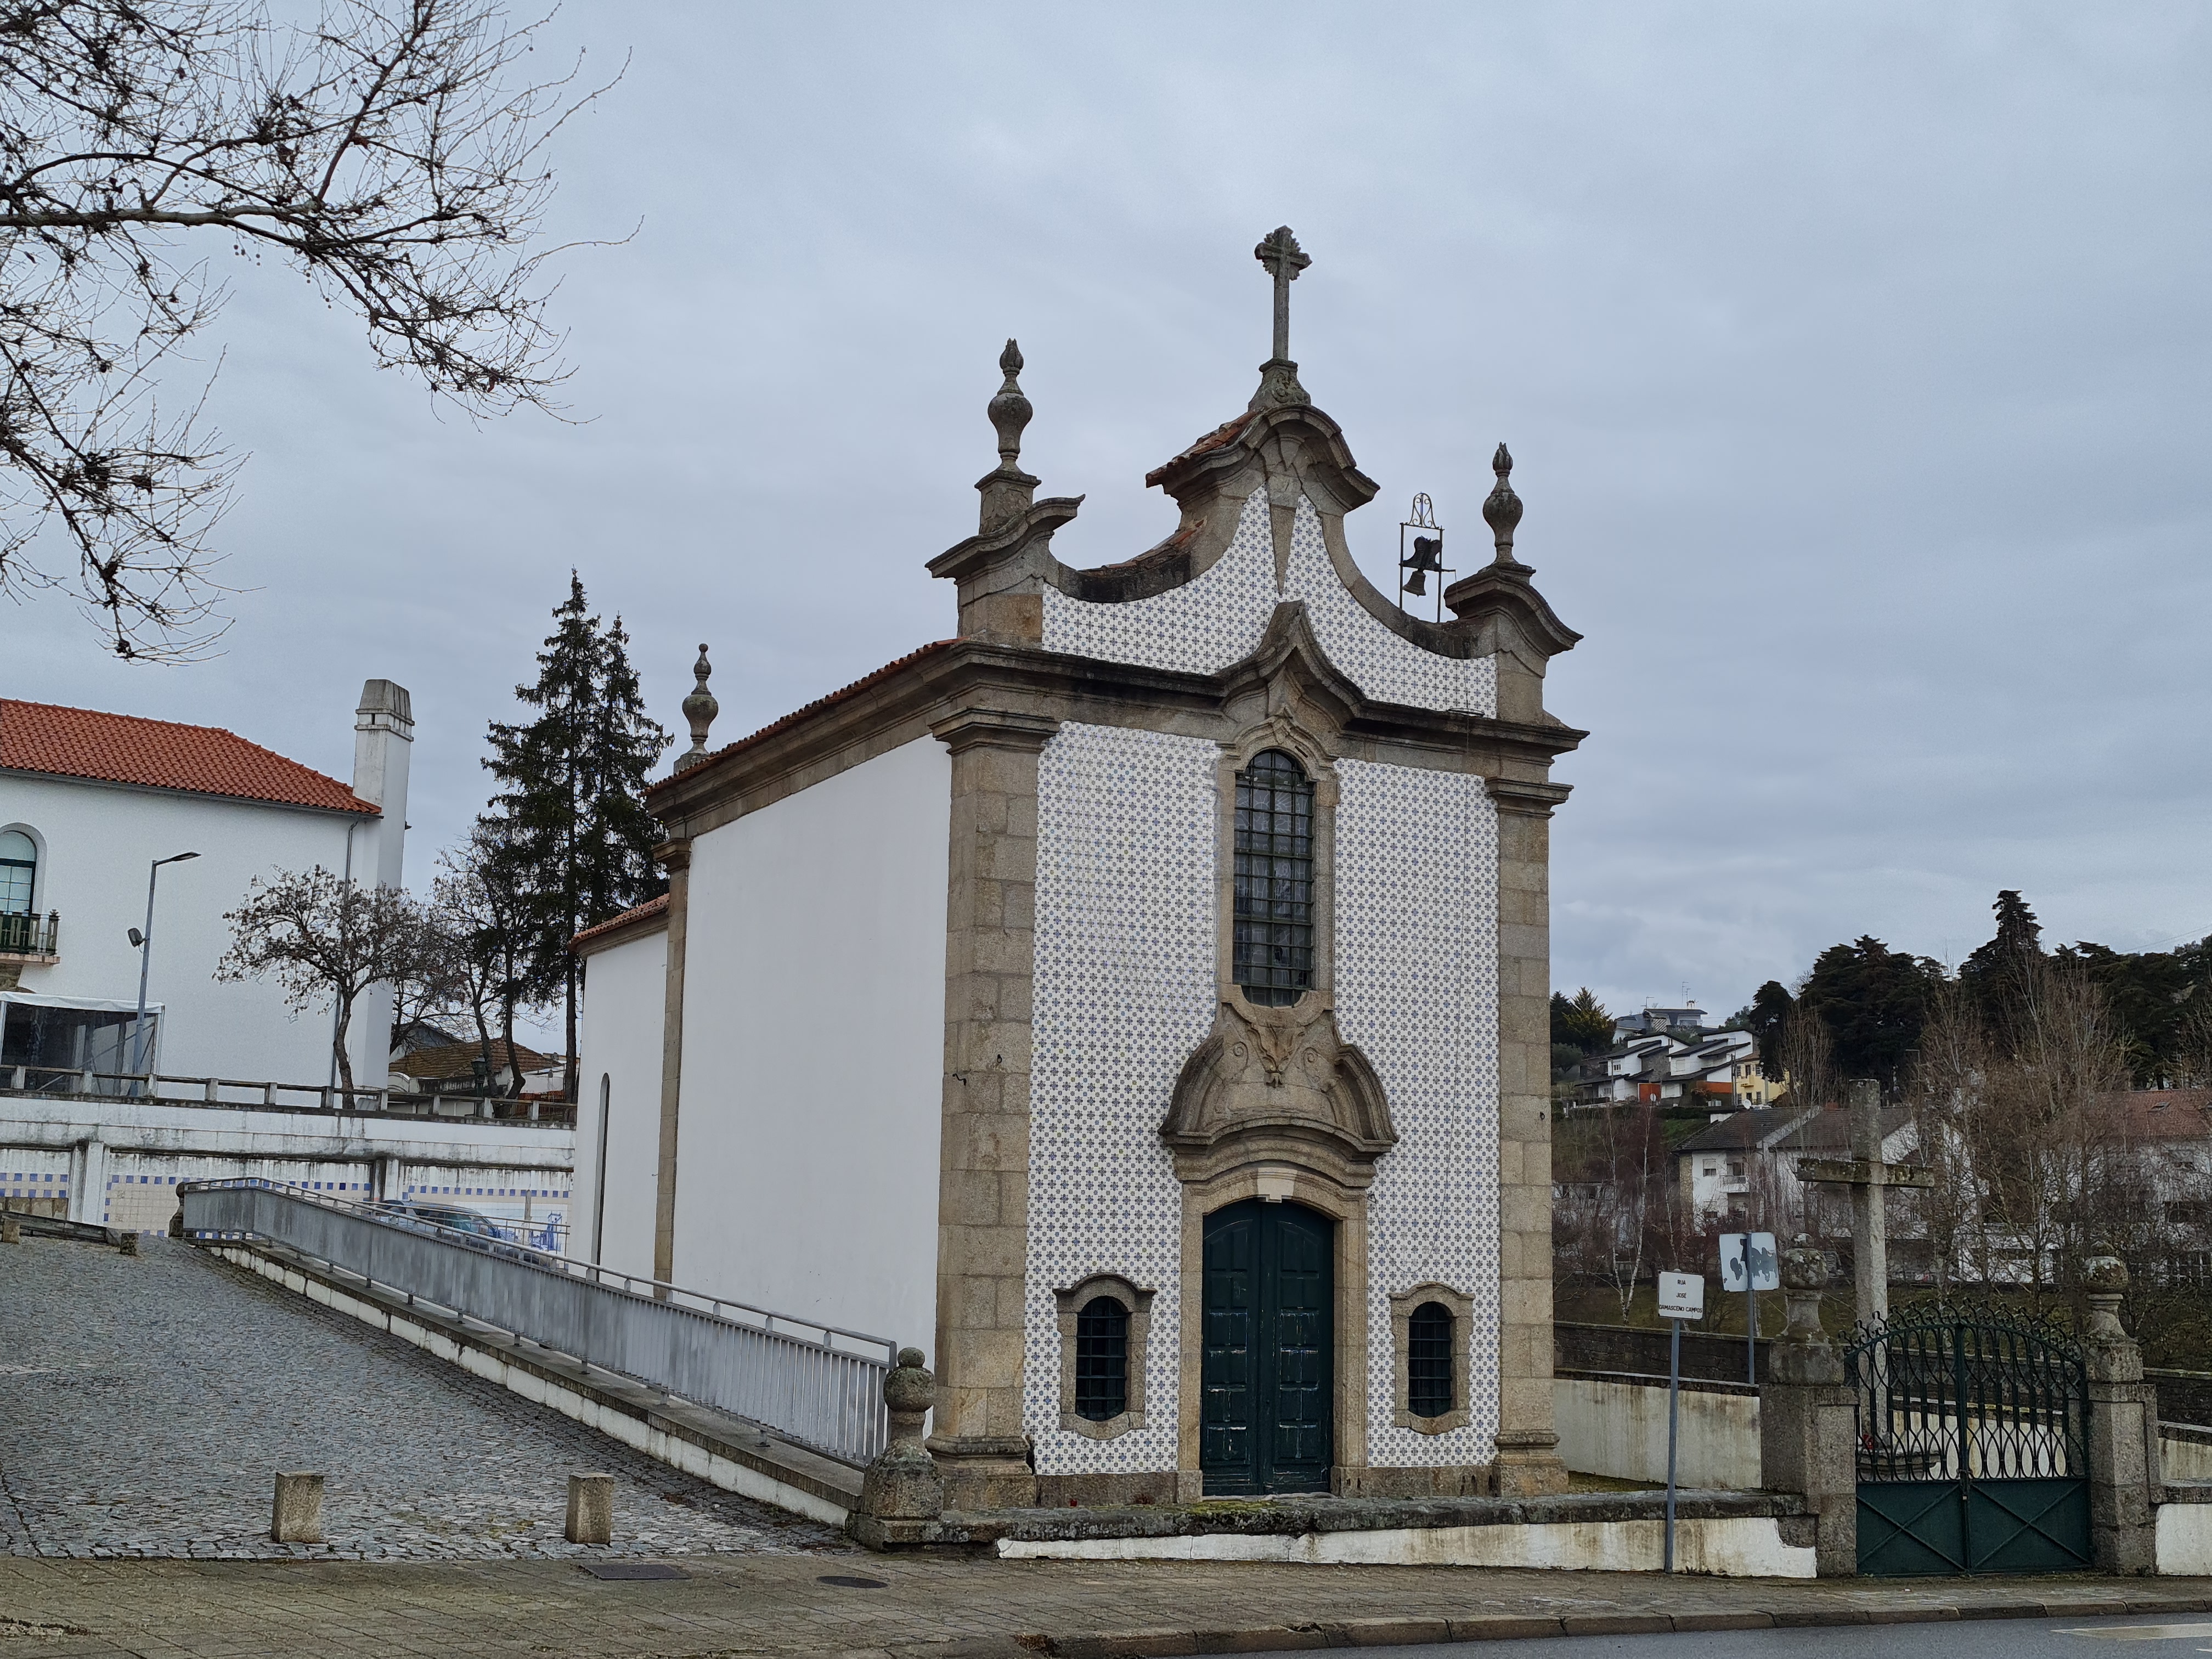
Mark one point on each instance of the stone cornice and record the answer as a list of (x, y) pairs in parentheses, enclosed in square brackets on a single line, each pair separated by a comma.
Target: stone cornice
[(1007, 541), (980, 690), (1531, 797)]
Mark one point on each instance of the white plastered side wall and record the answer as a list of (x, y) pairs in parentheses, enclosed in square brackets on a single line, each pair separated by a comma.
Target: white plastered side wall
[(814, 1049), (619, 1032)]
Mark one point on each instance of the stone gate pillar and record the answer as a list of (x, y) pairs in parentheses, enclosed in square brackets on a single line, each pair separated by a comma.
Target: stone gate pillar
[(2123, 1428), (1807, 1417)]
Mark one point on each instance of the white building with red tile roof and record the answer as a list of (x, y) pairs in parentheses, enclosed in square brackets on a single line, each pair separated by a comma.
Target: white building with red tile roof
[(90, 800)]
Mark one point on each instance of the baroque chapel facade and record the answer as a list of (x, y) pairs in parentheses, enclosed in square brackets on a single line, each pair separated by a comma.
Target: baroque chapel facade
[(1140, 1001)]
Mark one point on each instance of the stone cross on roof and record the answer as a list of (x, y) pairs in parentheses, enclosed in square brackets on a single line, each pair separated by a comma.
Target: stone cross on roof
[(1279, 376)]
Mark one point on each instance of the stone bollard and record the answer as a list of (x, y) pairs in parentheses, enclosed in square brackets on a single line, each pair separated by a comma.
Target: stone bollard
[(11, 1230), (901, 1496), (591, 1510), (298, 1515), (1807, 1417), (128, 1244), (2124, 1478)]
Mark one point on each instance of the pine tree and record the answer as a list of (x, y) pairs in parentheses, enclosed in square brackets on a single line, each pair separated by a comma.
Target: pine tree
[(576, 838)]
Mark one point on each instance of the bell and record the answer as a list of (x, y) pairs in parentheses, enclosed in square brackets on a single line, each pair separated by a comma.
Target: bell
[(1417, 583)]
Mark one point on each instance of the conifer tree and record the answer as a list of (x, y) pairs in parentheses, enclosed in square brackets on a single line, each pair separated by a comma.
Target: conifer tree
[(576, 839)]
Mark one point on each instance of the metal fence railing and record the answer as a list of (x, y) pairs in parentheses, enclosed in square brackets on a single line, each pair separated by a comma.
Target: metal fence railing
[(235, 1094), (821, 1385)]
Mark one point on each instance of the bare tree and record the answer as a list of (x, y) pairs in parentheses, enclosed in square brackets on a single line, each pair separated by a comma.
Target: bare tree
[(1624, 1212), (391, 151), (482, 917), (323, 938), (1947, 1090)]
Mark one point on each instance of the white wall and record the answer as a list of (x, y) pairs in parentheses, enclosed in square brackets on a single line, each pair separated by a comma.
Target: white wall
[(1619, 1429), (97, 842), (618, 1038), (813, 1050)]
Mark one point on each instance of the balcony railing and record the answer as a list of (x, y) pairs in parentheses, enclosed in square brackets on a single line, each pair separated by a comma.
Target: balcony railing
[(31, 935)]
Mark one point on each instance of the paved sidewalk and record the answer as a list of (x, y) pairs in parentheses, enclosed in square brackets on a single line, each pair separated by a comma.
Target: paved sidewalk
[(146, 1403), (934, 1607)]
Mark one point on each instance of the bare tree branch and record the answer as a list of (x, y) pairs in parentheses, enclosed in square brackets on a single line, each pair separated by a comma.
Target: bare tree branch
[(391, 152)]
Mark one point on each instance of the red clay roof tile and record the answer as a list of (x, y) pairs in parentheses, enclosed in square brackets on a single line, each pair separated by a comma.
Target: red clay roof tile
[(650, 907), (83, 743)]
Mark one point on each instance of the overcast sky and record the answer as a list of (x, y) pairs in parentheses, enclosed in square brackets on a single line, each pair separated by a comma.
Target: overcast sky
[(1854, 358)]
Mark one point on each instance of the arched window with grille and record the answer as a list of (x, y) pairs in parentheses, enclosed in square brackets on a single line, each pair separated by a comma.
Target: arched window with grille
[(1102, 1359), (1428, 1360), (18, 873), (1273, 941)]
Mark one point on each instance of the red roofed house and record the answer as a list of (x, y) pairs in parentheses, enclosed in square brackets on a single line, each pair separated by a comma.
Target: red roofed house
[(89, 801)]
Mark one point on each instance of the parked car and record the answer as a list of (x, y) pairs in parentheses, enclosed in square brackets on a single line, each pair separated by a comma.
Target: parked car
[(451, 1216)]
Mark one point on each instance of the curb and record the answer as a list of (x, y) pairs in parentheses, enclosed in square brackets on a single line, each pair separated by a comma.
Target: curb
[(1510, 1627)]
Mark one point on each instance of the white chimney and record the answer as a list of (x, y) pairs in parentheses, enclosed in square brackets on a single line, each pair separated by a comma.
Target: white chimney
[(383, 737)]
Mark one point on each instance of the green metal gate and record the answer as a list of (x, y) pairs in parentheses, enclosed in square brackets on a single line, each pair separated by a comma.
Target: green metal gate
[(1973, 1443)]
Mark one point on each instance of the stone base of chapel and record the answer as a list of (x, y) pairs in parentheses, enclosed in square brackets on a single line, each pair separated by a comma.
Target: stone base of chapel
[(981, 1474), (1100, 1491)]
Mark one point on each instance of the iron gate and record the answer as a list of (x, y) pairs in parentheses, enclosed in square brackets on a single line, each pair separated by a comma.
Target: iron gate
[(1973, 1443)]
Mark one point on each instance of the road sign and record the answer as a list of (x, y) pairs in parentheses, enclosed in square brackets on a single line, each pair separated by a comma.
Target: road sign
[(1761, 1272), (1681, 1295)]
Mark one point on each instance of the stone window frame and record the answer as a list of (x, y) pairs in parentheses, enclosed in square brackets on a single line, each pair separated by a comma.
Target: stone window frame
[(1137, 1302), (1280, 731), (1460, 1306)]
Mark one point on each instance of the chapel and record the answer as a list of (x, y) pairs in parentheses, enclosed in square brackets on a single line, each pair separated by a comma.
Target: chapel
[(1139, 1000)]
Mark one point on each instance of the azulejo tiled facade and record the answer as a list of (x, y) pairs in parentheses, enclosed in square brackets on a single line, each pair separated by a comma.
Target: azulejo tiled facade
[(1124, 991), (1417, 989), (1378, 662), (1218, 617), (1203, 626)]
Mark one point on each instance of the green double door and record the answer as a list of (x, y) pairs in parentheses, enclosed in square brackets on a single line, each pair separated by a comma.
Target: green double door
[(1266, 1373)]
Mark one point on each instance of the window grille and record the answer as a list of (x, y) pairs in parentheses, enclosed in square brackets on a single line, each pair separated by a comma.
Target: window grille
[(1102, 1359), (1273, 947), (19, 871), (1428, 1360)]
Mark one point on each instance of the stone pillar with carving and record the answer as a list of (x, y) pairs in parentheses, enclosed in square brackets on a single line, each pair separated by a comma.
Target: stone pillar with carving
[(901, 1496), (2124, 1477), (1808, 1419)]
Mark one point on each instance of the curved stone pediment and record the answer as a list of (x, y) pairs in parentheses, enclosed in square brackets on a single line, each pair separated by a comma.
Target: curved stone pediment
[(1278, 1085)]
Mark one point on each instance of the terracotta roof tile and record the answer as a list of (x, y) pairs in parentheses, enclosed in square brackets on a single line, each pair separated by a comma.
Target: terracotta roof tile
[(815, 707), (1212, 441), (650, 907), (457, 1060), (82, 742)]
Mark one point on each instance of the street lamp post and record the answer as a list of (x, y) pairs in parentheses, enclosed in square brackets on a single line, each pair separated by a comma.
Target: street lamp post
[(145, 943)]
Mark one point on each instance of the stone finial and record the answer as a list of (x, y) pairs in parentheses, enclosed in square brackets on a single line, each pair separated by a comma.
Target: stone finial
[(2104, 1277), (1803, 1355), (1501, 508), (902, 1495), (1008, 492), (1010, 409), (700, 708)]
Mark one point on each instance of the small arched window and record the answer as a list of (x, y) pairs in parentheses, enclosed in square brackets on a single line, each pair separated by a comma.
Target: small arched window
[(1273, 944), (18, 873), (1428, 1360), (1102, 1359)]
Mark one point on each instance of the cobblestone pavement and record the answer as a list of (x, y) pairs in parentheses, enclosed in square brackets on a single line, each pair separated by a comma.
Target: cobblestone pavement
[(940, 1608), (146, 1404)]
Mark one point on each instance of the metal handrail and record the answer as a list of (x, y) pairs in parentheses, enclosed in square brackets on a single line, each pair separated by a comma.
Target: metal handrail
[(62, 1081), (819, 1383)]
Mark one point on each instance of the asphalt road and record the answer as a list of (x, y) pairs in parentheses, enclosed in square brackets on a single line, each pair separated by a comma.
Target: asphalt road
[(1979, 1639)]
